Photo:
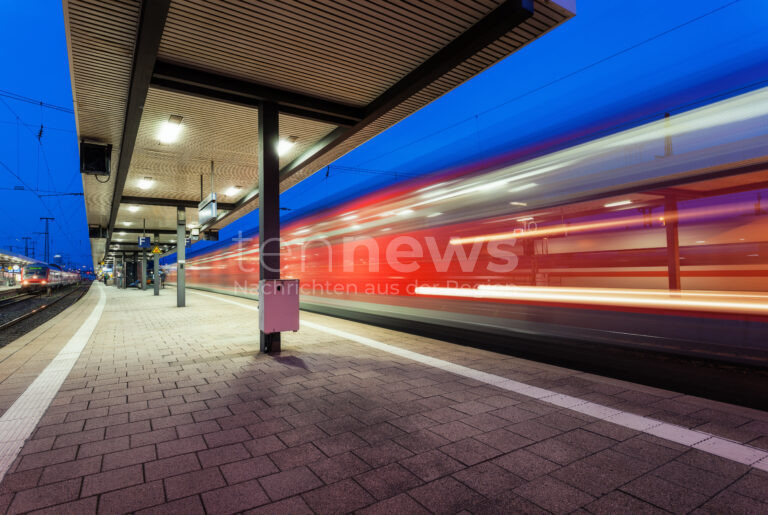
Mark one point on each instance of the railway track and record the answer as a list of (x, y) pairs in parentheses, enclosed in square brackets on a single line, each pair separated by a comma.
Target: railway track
[(9, 301), (6, 325)]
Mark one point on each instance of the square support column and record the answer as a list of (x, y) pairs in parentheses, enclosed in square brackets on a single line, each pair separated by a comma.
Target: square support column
[(136, 276), (269, 209), (123, 271), (181, 243), (156, 267), (143, 276)]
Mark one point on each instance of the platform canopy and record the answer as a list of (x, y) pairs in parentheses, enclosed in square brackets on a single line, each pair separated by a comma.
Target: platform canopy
[(340, 71), (9, 259)]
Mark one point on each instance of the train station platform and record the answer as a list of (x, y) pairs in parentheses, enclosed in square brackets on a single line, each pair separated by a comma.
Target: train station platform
[(127, 403)]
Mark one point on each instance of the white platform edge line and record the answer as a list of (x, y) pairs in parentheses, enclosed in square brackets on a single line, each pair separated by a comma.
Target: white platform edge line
[(21, 419), (706, 442)]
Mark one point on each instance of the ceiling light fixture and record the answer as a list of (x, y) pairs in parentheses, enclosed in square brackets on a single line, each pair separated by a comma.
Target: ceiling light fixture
[(133, 209), (170, 130), (145, 183), (284, 145), (233, 190)]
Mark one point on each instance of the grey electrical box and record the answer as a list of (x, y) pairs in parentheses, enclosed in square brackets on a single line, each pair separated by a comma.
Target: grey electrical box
[(278, 305)]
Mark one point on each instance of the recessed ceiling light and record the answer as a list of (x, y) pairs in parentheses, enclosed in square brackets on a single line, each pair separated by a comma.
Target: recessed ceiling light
[(233, 190), (518, 203), (170, 130), (145, 183), (434, 215), (127, 223), (618, 203), (284, 145), (133, 209)]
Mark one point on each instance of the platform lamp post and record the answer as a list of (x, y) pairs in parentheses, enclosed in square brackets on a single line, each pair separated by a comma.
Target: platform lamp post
[(181, 242)]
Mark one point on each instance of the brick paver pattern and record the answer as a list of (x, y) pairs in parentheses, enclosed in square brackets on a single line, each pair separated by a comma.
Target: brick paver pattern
[(174, 410)]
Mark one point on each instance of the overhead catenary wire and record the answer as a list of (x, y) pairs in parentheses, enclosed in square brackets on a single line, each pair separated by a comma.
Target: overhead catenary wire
[(553, 81), (22, 98), (35, 190), (41, 150)]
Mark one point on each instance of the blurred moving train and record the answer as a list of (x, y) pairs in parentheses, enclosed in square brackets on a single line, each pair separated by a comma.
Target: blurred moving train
[(41, 276), (653, 238)]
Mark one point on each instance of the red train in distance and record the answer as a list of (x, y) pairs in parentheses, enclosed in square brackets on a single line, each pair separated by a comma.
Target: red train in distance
[(41, 276), (651, 238)]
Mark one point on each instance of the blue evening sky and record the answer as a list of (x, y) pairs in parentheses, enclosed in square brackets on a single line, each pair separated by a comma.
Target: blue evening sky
[(616, 64)]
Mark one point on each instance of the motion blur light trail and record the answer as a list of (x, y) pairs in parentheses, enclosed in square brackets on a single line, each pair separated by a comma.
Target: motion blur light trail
[(653, 238), (689, 215), (607, 297)]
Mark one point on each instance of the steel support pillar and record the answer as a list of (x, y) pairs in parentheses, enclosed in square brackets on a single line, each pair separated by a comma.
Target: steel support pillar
[(143, 270), (123, 273), (269, 209), (181, 243), (156, 267), (673, 243)]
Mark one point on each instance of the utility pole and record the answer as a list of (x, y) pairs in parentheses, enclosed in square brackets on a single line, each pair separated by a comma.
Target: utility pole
[(47, 252), (34, 243), (26, 245)]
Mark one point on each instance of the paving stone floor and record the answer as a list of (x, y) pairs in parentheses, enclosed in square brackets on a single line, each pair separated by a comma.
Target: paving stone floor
[(173, 410)]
